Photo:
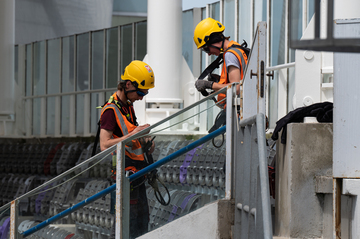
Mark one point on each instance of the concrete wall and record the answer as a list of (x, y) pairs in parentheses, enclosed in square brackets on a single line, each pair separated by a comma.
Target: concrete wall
[(303, 202), (213, 221)]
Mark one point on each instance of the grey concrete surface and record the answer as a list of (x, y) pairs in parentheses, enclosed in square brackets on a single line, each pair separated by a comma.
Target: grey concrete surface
[(302, 168), (213, 221)]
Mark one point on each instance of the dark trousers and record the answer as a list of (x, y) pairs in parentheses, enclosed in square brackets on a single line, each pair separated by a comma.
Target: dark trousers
[(139, 212)]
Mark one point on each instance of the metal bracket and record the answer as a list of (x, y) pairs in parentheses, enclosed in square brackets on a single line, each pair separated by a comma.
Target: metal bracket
[(270, 74), (252, 74)]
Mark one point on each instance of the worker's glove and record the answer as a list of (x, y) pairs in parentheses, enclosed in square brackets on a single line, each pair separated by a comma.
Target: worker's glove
[(202, 85)]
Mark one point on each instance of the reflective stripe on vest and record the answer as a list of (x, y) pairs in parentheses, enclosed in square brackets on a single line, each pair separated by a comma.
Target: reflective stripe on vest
[(133, 148), (241, 56)]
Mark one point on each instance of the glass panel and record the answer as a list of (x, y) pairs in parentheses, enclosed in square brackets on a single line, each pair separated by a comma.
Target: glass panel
[(53, 72), (277, 31), (36, 116), (229, 16), (311, 9), (95, 113), (97, 51), (215, 11), (259, 12), (192, 179), (65, 115), (39, 68), (28, 76), (68, 64), (140, 40), (138, 6), (112, 57), (277, 56), (187, 37), (203, 54), (82, 62), (296, 19), (215, 14), (244, 21), (50, 116), (80, 99), (126, 47), (16, 64)]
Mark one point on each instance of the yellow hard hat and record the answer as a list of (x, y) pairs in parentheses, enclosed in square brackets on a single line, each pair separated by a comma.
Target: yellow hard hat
[(140, 74), (204, 29)]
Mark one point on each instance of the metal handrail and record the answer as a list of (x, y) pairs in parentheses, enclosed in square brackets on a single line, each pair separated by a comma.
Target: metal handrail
[(131, 178)]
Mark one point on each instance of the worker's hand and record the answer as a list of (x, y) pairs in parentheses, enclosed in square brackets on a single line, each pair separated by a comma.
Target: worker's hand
[(203, 85), (140, 128)]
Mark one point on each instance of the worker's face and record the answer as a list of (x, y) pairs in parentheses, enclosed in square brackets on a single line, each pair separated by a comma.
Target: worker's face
[(135, 94), (211, 50)]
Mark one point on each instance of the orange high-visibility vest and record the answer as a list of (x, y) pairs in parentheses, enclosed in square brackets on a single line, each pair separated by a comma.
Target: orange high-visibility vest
[(241, 56), (132, 149)]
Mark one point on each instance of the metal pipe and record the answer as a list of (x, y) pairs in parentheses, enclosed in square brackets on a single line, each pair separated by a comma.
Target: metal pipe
[(131, 178), (69, 210), (279, 67)]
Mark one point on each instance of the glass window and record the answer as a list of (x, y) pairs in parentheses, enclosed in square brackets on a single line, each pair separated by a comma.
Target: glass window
[(311, 9), (50, 116), (277, 57), (97, 63), (95, 113), (67, 64), (125, 47), (53, 83), (36, 116), (130, 6), (39, 68), (112, 40), (277, 30), (53, 71), (259, 12), (16, 63), (140, 40), (65, 115), (187, 37), (82, 62), (28, 75), (79, 128), (229, 17), (203, 54), (245, 22), (296, 20), (215, 11), (215, 14), (67, 82)]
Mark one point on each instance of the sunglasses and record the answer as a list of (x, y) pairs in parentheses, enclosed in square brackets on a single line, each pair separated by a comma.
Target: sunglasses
[(206, 49), (139, 92)]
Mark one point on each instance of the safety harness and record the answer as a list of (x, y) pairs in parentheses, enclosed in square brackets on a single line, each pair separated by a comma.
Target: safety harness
[(221, 117), (152, 177), (216, 63)]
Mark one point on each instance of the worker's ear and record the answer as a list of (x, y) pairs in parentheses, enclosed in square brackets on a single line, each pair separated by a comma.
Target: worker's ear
[(128, 83)]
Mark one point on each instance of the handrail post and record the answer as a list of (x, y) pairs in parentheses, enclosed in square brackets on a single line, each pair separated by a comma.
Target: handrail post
[(14, 212), (122, 222), (230, 122)]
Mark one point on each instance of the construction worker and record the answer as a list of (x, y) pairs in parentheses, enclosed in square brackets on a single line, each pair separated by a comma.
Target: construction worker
[(118, 122), (208, 36)]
